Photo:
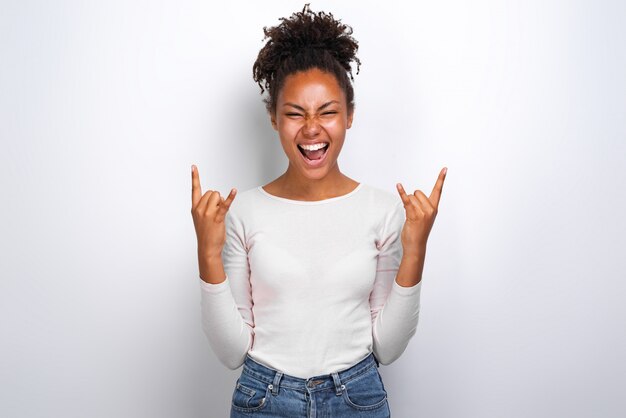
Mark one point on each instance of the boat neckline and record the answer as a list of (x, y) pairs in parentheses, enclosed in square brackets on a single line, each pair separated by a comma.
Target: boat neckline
[(310, 202)]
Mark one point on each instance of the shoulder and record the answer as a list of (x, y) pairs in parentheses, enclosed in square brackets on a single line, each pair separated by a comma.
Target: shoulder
[(384, 209), (387, 211), (244, 203), (377, 197)]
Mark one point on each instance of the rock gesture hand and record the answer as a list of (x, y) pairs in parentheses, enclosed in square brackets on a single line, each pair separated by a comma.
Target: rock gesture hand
[(420, 216), (208, 212)]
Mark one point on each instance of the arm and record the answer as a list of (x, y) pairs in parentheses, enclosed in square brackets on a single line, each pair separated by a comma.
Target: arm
[(394, 307), (227, 319)]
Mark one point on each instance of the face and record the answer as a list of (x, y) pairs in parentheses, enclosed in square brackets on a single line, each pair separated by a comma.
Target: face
[(311, 109)]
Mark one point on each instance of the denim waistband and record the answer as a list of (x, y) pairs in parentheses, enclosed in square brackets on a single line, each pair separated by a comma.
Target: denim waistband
[(275, 378)]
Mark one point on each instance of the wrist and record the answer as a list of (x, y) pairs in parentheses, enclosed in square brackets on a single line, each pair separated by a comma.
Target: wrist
[(210, 266), (414, 254), (411, 267), (209, 255)]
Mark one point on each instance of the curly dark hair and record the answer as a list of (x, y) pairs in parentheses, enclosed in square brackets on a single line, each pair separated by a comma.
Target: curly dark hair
[(306, 40)]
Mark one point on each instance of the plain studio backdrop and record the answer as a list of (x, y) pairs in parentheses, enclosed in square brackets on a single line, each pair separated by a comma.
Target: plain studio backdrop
[(104, 106)]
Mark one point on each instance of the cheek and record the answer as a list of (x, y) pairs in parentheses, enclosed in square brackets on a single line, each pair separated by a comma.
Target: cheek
[(333, 124), (289, 129)]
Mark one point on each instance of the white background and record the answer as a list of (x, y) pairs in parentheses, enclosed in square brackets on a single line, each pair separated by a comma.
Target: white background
[(104, 106)]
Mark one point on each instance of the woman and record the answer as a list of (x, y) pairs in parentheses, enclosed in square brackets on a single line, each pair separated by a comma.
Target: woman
[(313, 279)]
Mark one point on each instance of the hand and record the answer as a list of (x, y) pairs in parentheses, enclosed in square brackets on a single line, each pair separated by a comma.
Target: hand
[(208, 214), (420, 216)]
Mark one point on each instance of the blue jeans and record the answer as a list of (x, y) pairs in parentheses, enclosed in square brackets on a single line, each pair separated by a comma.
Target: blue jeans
[(354, 392)]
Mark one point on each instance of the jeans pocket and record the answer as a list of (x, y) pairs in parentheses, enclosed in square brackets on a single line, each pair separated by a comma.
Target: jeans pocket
[(365, 391), (250, 394)]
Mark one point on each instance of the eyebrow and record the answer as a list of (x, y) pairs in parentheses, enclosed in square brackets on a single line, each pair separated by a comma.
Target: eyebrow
[(319, 108)]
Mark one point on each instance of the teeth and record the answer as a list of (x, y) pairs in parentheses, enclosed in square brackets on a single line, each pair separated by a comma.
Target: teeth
[(314, 146)]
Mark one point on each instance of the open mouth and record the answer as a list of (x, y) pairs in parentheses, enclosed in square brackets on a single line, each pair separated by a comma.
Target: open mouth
[(314, 155)]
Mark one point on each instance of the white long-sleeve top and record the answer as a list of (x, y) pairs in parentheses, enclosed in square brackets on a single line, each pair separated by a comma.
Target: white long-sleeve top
[(310, 285)]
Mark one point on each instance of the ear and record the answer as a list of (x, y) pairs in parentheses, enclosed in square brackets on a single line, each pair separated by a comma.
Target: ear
[(273, 120), (350, 117)]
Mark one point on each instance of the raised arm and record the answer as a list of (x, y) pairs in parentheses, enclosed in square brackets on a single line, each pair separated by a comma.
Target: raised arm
[(226, 313), (395, 299), (394, 308), (227, 318)]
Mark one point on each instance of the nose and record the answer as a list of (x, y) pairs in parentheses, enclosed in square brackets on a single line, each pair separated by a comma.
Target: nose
[(311, 126)]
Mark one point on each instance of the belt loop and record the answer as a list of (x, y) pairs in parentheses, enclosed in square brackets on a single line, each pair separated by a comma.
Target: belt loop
[(338, 386), (274, 385)]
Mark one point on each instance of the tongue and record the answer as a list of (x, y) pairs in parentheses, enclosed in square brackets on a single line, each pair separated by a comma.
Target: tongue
[(315, 155)]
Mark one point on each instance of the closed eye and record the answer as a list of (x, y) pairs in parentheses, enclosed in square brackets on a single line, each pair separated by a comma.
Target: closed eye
[(298, 114)]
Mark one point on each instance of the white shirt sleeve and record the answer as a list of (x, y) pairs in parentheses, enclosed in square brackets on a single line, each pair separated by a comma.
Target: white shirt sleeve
[(227, 318), (394, 308)]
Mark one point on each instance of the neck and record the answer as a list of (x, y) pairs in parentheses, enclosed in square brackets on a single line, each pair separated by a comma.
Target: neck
[(300, 187)]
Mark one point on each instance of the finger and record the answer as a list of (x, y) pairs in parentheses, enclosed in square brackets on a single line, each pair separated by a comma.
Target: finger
[(213, 201), (414, 210), (196, 191), (435, 195), (425, 205), (403, 195), (204, 202), (225, 205)]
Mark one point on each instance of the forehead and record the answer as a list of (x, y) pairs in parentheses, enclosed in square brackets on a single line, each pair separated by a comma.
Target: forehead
[(310, 87)]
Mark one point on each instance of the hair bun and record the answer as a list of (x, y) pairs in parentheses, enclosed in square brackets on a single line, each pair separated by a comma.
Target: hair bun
[(305, 40), (305, 30)]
